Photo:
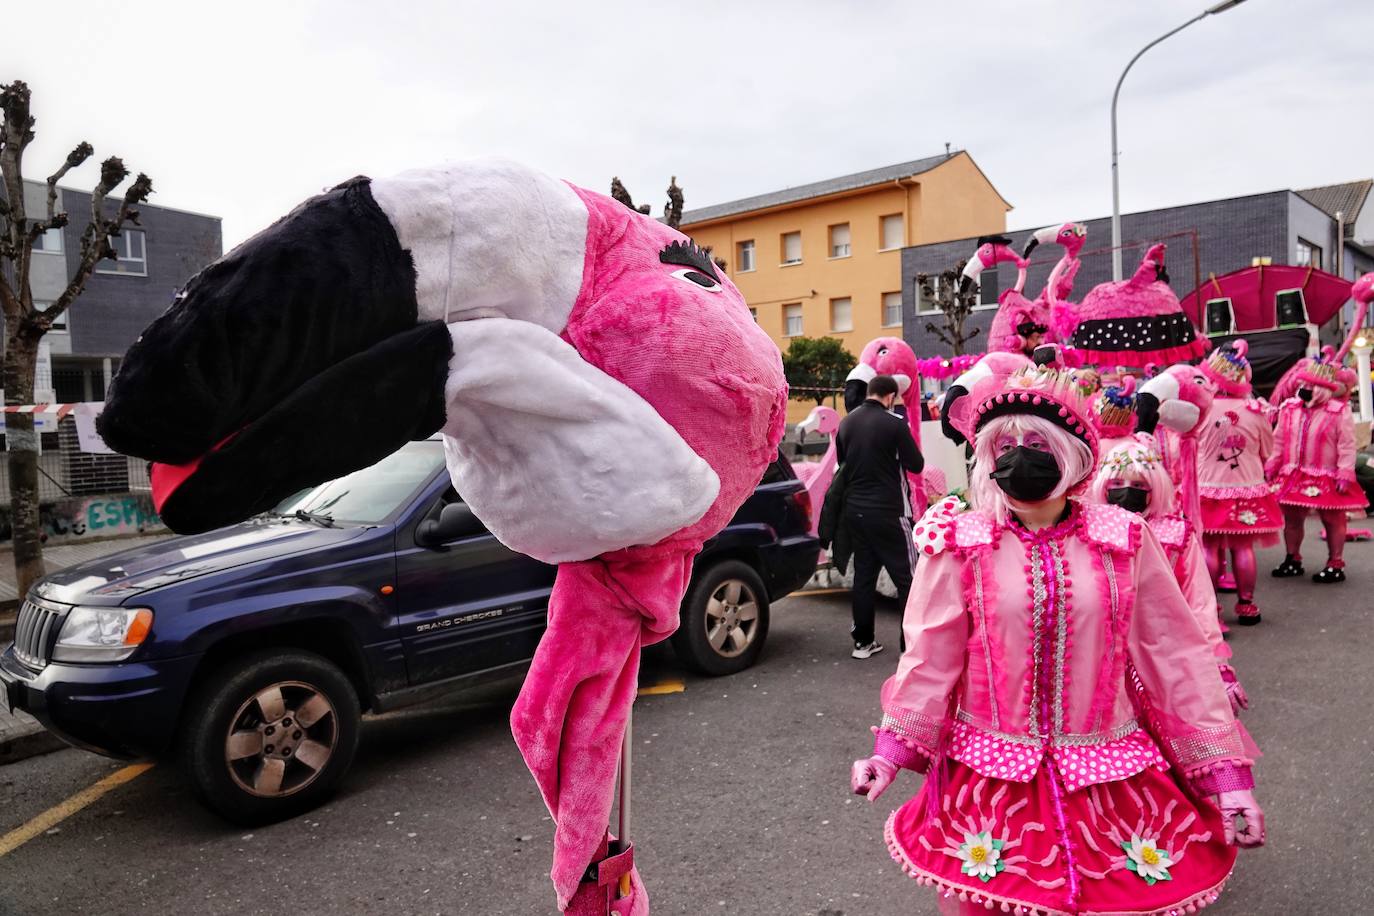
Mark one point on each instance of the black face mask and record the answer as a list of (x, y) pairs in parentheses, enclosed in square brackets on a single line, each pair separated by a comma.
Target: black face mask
[(1027, 475), (1132, 499)]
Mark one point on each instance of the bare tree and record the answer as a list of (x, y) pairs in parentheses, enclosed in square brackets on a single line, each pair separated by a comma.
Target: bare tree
[(954, 303), (25, 325), (672, 210)]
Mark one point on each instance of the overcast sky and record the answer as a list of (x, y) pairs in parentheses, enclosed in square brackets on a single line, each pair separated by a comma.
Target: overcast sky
[(242, 110)]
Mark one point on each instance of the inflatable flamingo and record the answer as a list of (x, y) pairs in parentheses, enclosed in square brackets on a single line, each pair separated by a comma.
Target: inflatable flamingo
[(816, 475), (606, 400), (892, 356), (1054, 297)]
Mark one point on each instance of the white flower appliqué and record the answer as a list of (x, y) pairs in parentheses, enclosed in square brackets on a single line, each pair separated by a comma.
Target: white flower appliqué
[(982, 856), (1247, 517), (1147, 860), (1311, 491)]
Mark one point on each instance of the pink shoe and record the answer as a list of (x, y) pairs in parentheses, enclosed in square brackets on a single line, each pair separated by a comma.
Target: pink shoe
[(1226, 583), (1247, 615)]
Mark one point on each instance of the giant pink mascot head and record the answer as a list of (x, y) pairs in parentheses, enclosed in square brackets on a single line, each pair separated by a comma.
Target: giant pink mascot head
[(606, 401), (1179, 399)]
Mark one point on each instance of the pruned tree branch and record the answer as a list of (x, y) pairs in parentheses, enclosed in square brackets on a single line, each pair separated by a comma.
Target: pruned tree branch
[(80, 154), (672, 210)]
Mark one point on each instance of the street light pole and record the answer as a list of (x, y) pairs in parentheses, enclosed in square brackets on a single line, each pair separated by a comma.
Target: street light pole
[(1116, 187)]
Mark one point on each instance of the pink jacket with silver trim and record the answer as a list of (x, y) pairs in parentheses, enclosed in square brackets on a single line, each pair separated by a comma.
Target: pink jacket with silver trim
[(1318, 440), (1023, 647)]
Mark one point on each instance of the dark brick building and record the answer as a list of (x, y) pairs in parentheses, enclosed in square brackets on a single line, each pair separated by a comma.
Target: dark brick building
[(1214, 237)]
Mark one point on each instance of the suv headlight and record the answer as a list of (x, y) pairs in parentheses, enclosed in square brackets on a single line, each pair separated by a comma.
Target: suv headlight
[(102, 634)]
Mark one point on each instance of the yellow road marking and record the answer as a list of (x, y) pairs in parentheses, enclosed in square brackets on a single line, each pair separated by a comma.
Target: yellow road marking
[(658, 690), (60, 812), (810, 592)]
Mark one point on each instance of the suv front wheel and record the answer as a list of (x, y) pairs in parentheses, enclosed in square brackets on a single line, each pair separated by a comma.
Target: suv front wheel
[(269, 735), (724, 619)]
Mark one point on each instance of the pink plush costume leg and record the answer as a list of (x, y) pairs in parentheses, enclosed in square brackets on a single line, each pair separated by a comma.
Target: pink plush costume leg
[(1294, 518), (579, 690), (1335, 522), (1243, 568)]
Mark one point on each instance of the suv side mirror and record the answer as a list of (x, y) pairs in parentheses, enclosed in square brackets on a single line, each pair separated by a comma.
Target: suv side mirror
[(454, 522)]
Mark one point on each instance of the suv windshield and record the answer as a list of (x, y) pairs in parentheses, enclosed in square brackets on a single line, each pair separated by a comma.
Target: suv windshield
[(369, 496)]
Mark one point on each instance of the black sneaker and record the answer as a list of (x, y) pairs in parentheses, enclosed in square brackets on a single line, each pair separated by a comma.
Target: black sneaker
[(1329, 575), (864, 651), (1287, 569)]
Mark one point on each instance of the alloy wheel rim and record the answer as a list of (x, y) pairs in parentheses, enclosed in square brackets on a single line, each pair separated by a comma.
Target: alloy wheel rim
[(281, 739), (732, 618)]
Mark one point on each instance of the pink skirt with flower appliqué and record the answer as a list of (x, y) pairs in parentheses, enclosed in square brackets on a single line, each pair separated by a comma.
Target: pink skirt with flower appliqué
[(1243, 516), (1135, 846), (1318, 491)]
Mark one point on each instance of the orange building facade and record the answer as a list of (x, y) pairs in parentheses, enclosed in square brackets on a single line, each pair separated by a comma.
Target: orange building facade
[(824, 259)]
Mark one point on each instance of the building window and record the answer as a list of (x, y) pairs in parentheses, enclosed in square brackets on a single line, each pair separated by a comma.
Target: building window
[(842, 314), (61, 323), (839, 240), (133, 259), (1309, 255), (754, 314), (892, 310), (792, 320), (791, 248), (50, 241), (891, 232), (744, 257)]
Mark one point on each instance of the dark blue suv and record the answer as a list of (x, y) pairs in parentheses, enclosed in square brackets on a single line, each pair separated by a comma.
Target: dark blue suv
[(251, 652)]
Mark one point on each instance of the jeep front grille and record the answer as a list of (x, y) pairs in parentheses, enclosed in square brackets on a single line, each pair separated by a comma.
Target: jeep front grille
[(36, 631)]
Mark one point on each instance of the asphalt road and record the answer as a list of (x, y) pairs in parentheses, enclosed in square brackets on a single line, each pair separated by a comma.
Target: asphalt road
[(741, 796)]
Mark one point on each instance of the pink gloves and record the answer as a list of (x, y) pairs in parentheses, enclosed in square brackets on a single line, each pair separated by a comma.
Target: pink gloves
[(1233, 804), (1234, 692), (872, 775)]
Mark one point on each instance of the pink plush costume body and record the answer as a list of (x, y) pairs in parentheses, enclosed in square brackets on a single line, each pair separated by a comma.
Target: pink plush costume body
[(1026, 654), (892, 356), (1136, 321), (605, 398), (1313, 465), (1178, 400)]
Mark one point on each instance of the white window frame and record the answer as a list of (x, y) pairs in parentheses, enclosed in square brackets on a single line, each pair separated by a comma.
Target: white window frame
[(833, 326), (882, 232), (739, 257), (1311, 247), (783, 249), (787, 320), (835, 252), (125, 238), (48, 236), (898, 322)]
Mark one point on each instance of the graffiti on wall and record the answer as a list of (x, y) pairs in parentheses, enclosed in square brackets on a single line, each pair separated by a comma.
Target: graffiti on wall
[(90, 517)]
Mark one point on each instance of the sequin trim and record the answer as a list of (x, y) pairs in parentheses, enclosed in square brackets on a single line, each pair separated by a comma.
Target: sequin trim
[(1220, 741), (1039, 594), (1061, 636), (922, 729), (1070, 740)]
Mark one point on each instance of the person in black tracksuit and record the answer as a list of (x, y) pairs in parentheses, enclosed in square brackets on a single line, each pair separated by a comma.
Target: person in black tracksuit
[(875, 448)]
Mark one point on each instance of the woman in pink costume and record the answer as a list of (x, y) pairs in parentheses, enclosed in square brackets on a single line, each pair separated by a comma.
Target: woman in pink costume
[(1035, 623), (1238, 510), (1313, 465), (1132, 475)]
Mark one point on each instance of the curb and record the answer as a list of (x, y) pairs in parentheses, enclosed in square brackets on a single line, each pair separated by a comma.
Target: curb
[(14, 748)]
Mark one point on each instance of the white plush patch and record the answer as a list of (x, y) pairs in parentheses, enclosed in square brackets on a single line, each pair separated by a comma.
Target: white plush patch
[(489, 238), (558, 459)]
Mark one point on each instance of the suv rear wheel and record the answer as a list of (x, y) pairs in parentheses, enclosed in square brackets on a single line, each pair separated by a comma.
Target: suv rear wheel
[(724, 620), (269, 735)]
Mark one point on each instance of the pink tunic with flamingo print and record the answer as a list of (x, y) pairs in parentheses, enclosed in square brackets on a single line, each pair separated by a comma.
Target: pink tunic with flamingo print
[(1058, 718), (1233, 444)]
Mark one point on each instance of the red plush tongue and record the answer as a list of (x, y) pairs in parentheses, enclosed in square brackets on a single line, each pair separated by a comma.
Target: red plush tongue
[(166, 478)]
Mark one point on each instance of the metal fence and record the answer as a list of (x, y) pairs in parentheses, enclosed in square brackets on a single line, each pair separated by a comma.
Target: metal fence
[(66, 472)]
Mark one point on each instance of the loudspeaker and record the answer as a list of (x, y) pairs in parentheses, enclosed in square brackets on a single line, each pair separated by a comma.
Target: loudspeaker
[(1290, 308), (1221, 318)]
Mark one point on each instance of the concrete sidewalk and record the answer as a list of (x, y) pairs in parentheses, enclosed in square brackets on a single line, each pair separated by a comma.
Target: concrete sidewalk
[(20, 735)]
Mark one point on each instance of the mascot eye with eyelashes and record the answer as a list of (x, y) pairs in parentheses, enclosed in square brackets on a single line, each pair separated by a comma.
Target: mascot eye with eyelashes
[(698, 268)]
